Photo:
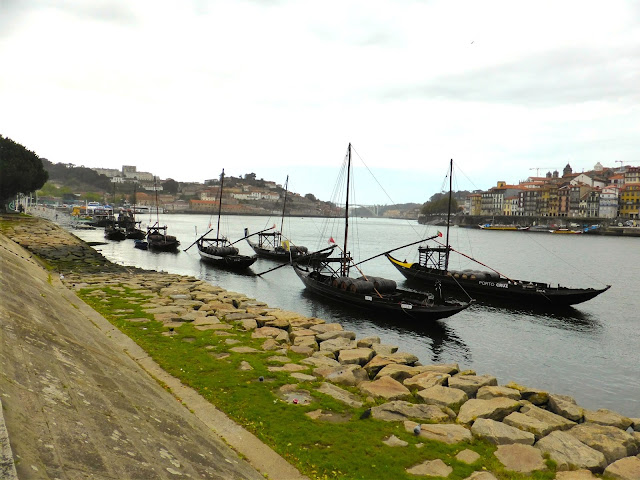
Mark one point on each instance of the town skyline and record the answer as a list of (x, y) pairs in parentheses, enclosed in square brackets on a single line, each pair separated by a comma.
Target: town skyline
[(281, 88)]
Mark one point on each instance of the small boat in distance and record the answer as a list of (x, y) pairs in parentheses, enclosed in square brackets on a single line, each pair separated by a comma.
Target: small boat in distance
[(365, 292), (218, 250), (157, 239), (432, 270), (271, 244), (490, 226)]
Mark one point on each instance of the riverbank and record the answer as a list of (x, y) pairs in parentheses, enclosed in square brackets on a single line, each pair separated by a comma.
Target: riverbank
[(353, 401)]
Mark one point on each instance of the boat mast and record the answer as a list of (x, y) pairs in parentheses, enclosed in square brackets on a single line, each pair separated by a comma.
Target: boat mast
[(345, 264), (446, 255), (284, 205), (155, 187), (220, 204)]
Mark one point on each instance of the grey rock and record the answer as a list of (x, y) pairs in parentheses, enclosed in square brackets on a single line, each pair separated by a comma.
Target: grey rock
[(358, 356), (529, 424), (394, 441)]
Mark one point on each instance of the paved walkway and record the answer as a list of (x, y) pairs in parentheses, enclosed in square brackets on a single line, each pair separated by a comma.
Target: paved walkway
[(78, 404)]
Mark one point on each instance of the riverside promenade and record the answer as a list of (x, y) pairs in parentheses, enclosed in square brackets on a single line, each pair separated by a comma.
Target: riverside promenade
[(82, 400)]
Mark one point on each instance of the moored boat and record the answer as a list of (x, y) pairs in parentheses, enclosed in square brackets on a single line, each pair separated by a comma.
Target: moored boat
[(218, 250), (329, 278), (157, 239), (432, 270), (514, 228)]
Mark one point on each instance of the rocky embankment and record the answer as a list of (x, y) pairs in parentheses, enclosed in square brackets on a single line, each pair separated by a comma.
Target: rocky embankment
[(437, 402)]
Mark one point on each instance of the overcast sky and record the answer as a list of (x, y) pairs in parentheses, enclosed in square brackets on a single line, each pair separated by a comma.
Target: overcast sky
[(183, 88)]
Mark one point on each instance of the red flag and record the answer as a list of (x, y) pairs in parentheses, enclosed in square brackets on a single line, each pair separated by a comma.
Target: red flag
[(331, 240), (439, 233)]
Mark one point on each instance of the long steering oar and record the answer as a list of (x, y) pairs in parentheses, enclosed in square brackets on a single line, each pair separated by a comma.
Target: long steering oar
[(201, 236)]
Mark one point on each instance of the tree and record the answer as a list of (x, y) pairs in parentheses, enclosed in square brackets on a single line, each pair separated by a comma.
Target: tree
[(439, 205), (170, 186), (21, 170), (311, 197)]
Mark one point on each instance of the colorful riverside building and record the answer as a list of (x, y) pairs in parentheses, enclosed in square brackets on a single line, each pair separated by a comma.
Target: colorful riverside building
[(630, 200)]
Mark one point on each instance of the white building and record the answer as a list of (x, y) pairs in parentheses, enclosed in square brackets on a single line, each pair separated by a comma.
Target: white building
[(609, 201)]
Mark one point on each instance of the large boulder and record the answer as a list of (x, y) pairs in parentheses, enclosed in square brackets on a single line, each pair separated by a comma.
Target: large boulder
[(470, 384), (426, 379), (520, 458), (499, 433), (340, 394), (336, 344), (493, 391), (529, 424), (400, 410), (495, 409), (533, 395), (624, 469), (387, 388), (431, 468), (357, 356), (570, 453), (566, 407), (447, 433), (556, 421), (443, 396), (397, 371), (611, 441), (349, 375), (607, 417)]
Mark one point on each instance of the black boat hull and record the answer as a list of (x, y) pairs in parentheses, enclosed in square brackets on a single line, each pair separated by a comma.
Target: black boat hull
[(519, 292), (282, 255), (232, 262), (410, 305)]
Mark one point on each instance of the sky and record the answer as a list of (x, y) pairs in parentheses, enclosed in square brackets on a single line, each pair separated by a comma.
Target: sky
[(182, 89)]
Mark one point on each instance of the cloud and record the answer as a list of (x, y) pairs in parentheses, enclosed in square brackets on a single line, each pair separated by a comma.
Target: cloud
[(562, 77)]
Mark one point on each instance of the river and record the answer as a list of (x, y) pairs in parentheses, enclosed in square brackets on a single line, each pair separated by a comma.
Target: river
[(590, 352)]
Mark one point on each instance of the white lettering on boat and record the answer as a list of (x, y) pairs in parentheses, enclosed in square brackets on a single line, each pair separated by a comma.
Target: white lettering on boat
[(493, 284), (367, 297), (406, 306)]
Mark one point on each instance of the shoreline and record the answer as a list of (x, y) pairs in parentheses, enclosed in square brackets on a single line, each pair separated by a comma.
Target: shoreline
[(371, 373)]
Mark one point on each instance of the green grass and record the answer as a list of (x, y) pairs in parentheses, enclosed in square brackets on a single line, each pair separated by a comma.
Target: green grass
[(320, 450)]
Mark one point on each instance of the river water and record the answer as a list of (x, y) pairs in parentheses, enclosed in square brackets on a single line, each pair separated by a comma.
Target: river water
[(591, 352)]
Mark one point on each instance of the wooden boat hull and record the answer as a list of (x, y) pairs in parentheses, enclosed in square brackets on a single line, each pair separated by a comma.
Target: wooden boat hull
[(232, 262), (522, 292), (114, 234), (163, 245), (282, 255), (403, 303)]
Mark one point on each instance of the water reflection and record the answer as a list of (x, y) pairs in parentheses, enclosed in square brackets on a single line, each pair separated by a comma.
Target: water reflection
[(564, 317)]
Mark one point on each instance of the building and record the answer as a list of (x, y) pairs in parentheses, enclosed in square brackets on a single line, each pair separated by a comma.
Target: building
[(609, 202)]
